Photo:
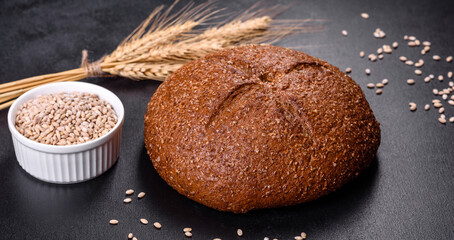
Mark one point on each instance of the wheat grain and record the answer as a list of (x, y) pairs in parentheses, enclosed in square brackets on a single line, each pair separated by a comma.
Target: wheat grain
[(65, 118)]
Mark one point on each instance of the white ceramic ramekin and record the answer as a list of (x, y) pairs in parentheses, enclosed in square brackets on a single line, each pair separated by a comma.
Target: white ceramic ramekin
[(72, 163)]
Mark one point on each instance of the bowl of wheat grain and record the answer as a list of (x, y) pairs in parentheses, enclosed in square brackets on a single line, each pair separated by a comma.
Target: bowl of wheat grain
[(66, 132)]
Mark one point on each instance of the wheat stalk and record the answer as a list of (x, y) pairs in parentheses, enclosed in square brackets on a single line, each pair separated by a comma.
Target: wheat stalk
[(165, 41)]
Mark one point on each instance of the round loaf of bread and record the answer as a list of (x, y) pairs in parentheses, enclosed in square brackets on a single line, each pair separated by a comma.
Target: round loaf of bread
[(259, 127)]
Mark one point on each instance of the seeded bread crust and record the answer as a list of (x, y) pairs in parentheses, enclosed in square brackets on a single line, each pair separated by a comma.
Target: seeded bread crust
[(259, 127)]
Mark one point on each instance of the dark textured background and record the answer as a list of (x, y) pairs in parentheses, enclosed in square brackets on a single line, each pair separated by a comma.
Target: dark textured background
[(407, 193)]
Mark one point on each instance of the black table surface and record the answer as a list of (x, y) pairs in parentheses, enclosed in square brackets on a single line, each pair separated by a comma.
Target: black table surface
[(407, 193)]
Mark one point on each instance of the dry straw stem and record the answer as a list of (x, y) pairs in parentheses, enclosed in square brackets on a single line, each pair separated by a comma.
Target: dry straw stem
[(165, 41)]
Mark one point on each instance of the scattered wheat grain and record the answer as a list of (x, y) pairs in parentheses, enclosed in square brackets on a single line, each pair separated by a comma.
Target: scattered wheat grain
[(412, 106), (157, 225), (438, 105), (379, 33), (141, 195), (372, 57)]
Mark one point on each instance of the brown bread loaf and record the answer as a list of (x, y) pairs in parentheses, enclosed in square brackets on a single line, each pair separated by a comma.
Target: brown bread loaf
[(259, 127)]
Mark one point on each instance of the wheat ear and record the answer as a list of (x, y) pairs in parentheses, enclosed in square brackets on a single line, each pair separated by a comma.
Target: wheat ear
[(165, 41)]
